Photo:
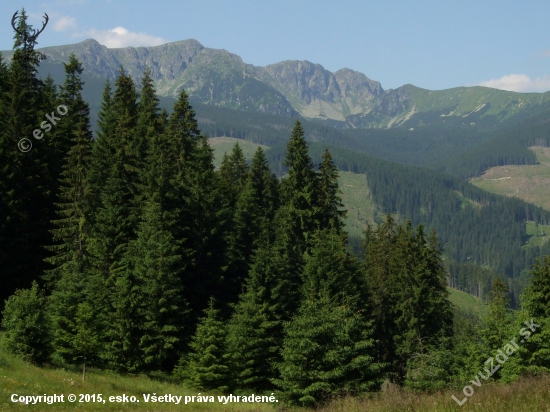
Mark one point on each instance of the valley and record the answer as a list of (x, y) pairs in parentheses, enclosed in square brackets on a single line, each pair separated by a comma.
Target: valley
[(181, 232)]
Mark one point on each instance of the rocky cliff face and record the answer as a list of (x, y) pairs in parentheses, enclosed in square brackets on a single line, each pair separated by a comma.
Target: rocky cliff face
[(319, 93)]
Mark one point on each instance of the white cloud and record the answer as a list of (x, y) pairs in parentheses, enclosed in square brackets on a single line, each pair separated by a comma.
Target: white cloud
[(519, 83), (121, 37), (64, 23)]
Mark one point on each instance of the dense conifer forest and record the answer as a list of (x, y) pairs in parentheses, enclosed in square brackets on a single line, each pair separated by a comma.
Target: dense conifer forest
[(132, 252)]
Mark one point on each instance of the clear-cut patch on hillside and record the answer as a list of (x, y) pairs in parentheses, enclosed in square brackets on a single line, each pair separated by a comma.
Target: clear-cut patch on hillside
[(528, 182)]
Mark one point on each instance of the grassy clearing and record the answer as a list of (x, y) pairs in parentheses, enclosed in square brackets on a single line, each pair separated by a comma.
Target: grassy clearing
[(356, 199), (467, 302), (16, 376), (22, 378), (223, 145), (528, 394), (529, 182), (538, 234)]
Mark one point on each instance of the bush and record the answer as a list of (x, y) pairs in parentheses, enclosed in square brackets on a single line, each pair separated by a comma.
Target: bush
[(27, 328)]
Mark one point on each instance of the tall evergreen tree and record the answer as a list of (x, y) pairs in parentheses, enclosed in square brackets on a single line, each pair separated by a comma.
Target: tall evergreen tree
[(271, 296), (102, 152), (206, 366), (380, 267), (265, 184), (328, 347), (413, 316), (26, 181), (151, 287), (254, 211), (331, 271), (202, 218), (327, 352), (75, 138), (233, 173), (149, 121), (535, 350), (300, 188), (332, 212)]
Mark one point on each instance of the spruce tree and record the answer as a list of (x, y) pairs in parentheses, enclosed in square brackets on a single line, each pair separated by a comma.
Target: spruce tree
[(330, 270), (254, 211), (413, 317), (26, 178), (535, 350), (254, 341), (233, 173), (300, 189), (206, 366), (327, 352), (328, 347), (265, 184), (332, 212), (149, 121), (75, 138), (112, 216), (102, 152), (155, 264), (426, 316), (499, 328), (272, 293), (206, 223), (380, 268)]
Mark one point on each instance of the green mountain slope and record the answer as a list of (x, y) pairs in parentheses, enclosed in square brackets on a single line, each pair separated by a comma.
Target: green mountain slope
[(467, 303), (485, 235), (482, 107), (528, 182), (346, 98)]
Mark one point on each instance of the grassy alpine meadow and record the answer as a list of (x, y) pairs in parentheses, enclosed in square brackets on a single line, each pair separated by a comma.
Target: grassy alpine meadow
[(22, 378), (222, 145), (467, 302), (528, 394)]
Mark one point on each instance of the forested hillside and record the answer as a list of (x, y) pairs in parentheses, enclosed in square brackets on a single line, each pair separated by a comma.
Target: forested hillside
[(460, 151), (457, 148), (132, 252)]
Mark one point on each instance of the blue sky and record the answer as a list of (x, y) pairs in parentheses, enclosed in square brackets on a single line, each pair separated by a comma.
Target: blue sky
[(436, 44)]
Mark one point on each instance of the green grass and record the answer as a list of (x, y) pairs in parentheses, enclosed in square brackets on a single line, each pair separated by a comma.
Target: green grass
[(528, 182), (223, 145), (22, 378), (467, 302), (356, 199), (538, 234)]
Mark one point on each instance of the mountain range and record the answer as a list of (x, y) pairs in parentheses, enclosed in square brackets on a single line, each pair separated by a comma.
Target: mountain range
[(345, 98)]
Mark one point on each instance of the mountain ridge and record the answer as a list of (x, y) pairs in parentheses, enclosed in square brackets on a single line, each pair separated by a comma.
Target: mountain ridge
[(345, 98)]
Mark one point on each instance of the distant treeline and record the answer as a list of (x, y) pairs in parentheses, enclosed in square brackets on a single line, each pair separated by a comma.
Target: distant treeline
[(473, 225), (458, 150)]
